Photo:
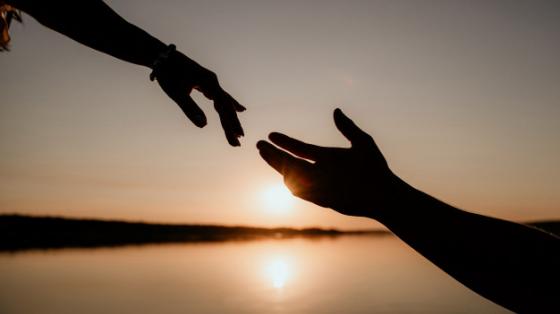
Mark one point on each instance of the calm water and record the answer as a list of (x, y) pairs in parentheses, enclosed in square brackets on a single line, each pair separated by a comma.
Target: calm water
[(343, 275)]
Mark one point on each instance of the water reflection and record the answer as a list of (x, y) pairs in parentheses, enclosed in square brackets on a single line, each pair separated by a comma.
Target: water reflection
[(279, 271), (342, 275)]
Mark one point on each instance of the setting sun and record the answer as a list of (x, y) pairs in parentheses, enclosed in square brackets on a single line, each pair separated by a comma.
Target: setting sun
[(277, 198)]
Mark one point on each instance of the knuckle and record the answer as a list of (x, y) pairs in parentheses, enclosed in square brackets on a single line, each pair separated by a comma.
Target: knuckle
[(365, 136), (212, 77)]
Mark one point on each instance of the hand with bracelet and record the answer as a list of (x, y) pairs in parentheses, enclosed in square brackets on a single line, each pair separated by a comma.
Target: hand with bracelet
[(96, 25)]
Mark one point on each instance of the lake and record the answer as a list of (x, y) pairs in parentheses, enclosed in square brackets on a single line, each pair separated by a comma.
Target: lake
[(349, 274)]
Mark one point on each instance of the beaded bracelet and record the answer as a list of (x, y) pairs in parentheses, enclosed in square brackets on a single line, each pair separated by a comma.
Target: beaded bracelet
[(162, 57)]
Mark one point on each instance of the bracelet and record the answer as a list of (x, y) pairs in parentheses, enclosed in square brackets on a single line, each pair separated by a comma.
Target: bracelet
[(161, 58)]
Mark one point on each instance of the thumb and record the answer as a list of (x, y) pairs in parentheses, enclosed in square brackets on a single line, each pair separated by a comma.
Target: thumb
[(184, 101), (350, 130)]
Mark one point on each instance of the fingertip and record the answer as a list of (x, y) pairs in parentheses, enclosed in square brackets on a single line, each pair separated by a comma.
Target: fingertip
[(339, 114), (200, 120), (274, 135), (233, 140), (279, 138), (240, 130), (236, 142), (261, 144), (236, 105), (265, 146), (239, 107)]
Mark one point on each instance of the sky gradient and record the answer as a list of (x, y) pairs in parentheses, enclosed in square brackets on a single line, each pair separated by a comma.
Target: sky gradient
[(462, 97)]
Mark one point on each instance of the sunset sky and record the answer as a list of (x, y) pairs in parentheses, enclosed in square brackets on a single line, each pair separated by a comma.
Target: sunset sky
[(463, 98)]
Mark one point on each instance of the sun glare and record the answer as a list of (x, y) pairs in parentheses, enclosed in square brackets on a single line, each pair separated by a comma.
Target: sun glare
[(277, 198)]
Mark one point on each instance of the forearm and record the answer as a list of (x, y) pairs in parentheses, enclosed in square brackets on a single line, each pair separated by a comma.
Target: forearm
[(94, 24), (508, 263)]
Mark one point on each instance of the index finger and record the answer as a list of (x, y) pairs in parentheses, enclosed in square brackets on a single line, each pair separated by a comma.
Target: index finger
[(297, 147), (228, 117), (278, 159)]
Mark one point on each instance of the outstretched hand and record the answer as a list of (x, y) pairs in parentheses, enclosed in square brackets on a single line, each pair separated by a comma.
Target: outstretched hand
[(353, 181), (179, 75)]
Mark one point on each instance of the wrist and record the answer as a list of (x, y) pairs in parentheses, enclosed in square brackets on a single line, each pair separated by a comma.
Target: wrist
[(396, 203), (161, 58), (151, 50), (131, 43)]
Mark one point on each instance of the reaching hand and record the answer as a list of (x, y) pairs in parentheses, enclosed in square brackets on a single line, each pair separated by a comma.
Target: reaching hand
[(353, 181), (179, 75)]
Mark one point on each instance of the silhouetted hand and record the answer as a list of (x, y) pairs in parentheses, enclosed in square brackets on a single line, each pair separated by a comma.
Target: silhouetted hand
[(353, 181), (179, 75), (176, 73)]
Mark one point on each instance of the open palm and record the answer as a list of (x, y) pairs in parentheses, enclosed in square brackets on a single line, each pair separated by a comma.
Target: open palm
[(354, 181)]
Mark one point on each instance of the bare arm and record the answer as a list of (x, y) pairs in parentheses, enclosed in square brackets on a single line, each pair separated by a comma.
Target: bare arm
[(96, 25), (511, 264)]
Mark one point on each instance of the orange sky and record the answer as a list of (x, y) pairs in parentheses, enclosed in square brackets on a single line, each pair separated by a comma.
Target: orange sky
[(462, 98)]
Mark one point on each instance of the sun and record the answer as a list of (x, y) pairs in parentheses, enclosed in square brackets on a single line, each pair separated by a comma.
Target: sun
[(277, 198)]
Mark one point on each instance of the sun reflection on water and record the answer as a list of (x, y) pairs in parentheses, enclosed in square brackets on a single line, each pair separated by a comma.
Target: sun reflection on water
[(279, 271)]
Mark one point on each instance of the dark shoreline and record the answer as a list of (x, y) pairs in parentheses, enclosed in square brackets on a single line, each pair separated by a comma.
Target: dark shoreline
[(21, 232)]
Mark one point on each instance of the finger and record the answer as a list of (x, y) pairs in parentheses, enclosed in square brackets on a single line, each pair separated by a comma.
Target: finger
[(236, 105), (297, 147), (224, 104), (230, 103), (230, 122), (210, 87), (227, 108), (273, 156), (350, 130), (193, 111), (294, 170), (239, 107), (278, 159), (185, 102), (213, 91)]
